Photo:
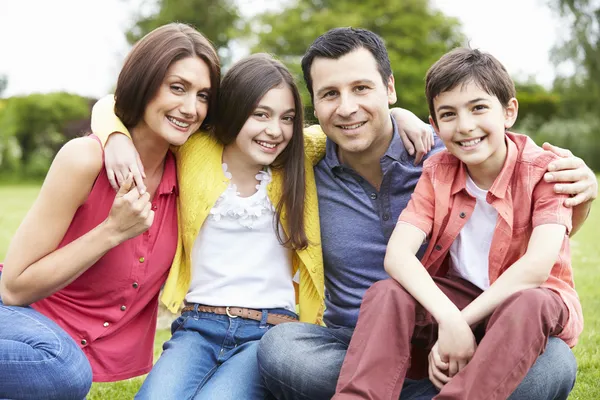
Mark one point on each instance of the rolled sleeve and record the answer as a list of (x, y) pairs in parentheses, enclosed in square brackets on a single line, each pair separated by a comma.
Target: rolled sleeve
[(549, 207), (420, 209)]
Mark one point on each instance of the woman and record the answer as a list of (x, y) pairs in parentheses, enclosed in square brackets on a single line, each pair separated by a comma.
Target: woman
[(82, 274)]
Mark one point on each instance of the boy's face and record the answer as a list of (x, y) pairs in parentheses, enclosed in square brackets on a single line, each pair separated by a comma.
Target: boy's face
[(472, 122), (351, 101)]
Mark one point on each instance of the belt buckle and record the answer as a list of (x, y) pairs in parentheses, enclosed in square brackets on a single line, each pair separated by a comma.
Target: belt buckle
[(229, 313)]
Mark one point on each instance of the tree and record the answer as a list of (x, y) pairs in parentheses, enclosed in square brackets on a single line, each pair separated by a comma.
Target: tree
[(3, 83), (36, 123), (582, 47), (218, 20), (415, 34)]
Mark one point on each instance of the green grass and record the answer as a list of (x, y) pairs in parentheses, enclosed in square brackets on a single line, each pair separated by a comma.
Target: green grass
[(16, 200)]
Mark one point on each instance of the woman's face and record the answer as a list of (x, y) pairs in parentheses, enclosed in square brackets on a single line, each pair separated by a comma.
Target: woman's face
[(181, 102)]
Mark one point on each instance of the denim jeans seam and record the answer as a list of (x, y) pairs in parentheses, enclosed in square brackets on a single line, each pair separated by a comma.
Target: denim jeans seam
[(37, 323), (265, 373)]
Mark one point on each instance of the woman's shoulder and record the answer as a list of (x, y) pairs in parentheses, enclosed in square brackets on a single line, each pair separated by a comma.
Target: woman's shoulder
[(82, 156)]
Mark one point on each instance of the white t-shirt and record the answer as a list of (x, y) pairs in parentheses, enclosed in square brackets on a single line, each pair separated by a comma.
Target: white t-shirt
[(236, 259), (471, 249)]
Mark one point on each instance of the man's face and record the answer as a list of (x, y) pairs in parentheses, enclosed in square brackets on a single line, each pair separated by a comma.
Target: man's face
[(351, 102)]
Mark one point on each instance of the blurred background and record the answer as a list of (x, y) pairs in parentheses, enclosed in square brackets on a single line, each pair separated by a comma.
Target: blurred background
[(58, 56)]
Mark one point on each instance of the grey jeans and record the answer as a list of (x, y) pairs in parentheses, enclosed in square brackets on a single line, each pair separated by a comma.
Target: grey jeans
[(303, 361)]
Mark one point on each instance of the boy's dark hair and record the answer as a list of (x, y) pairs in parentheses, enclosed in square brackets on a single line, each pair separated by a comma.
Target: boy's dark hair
[(246, 82), (338, 42), (461, 66), (147, 63)]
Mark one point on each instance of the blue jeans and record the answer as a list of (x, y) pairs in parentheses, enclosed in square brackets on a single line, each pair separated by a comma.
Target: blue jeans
[(303, 361), (38, 359), (209, 356)]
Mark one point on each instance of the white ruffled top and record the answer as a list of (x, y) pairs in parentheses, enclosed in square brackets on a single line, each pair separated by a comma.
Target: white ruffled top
[(246, 210), (237, 259)]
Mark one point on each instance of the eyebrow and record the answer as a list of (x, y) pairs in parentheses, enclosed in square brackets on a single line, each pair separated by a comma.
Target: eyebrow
[(353, 83), (186, 82), (270, 110), (447, 107)]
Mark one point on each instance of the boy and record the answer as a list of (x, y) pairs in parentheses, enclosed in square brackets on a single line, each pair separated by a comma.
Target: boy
[(495, 281)]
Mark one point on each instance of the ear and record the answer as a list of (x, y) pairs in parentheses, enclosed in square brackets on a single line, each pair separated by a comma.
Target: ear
[(391, 90), (315, 113), (435, 127), (510, 113)]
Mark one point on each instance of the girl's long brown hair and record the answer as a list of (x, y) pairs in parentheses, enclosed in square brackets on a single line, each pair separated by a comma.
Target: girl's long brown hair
[(242, 87)]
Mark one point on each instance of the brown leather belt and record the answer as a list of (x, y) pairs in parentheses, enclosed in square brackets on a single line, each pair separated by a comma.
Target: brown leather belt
[(248, 313)]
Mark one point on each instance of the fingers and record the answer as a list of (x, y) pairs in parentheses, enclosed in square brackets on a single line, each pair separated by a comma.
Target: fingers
[(577, 200), (462, 364), (406, 141), (110, 174), (559, 151), (568, 176), (125, 187), (436, 377), (139, 174), (567, 163), (452, 368), (120, 177)]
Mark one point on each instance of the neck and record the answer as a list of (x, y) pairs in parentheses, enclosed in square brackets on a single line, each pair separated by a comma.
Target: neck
[(485, 174), (241, 170), (152, 150), (367, 163)]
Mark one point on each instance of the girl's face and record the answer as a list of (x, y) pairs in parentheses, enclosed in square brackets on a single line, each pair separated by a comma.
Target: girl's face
[(181, 102), (268, 130)]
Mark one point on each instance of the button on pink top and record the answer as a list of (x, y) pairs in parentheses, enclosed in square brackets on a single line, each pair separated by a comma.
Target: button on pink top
[(111, 309)]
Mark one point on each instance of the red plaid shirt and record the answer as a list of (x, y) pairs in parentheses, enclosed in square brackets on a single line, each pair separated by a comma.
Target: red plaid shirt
[(441, 205)]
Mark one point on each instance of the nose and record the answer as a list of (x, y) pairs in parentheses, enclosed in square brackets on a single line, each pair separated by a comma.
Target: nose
[(347, 106), (188, 106), (273, 129), (465, 123)]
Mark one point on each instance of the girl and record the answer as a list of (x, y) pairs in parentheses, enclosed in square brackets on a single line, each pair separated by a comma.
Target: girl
[(90, 264), (249, 223)]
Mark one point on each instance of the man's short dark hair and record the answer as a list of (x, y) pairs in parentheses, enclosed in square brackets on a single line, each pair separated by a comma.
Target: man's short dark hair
[(338, 42)]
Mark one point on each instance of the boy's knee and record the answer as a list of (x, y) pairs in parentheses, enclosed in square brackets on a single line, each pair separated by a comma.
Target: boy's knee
[(529, 299)]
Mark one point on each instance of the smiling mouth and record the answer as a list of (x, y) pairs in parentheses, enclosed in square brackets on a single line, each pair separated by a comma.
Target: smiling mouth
[(178, 123), (350, 127), (266, 144), (471, 143)]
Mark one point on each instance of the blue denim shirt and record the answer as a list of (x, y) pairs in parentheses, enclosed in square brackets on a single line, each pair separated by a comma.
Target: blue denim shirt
[(357, 222)]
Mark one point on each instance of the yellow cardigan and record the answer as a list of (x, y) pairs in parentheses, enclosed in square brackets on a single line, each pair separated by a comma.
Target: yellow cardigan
[(201, 182)]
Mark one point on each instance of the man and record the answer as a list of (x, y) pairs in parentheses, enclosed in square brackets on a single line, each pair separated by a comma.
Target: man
[(363, 183)]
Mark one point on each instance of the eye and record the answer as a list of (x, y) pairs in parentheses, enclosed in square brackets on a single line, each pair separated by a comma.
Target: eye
[(289, 118), (446, 115), (361, 88), (260, 114), (331, 93), (177, 88), (203, 96), (480, 107)]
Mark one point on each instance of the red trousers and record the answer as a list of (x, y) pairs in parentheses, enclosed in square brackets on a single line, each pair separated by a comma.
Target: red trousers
[(391, 322)]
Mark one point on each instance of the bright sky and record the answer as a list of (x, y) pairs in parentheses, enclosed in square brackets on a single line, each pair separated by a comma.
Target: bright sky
[(79, 45)]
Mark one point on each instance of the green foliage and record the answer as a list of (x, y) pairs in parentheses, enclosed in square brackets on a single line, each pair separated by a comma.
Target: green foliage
[(535, 101), (218, 20), (581, 48), (415, 34), (31, 130)]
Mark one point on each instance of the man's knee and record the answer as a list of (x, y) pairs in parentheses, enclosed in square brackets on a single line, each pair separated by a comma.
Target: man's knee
[(276, 347), (552, 377)]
